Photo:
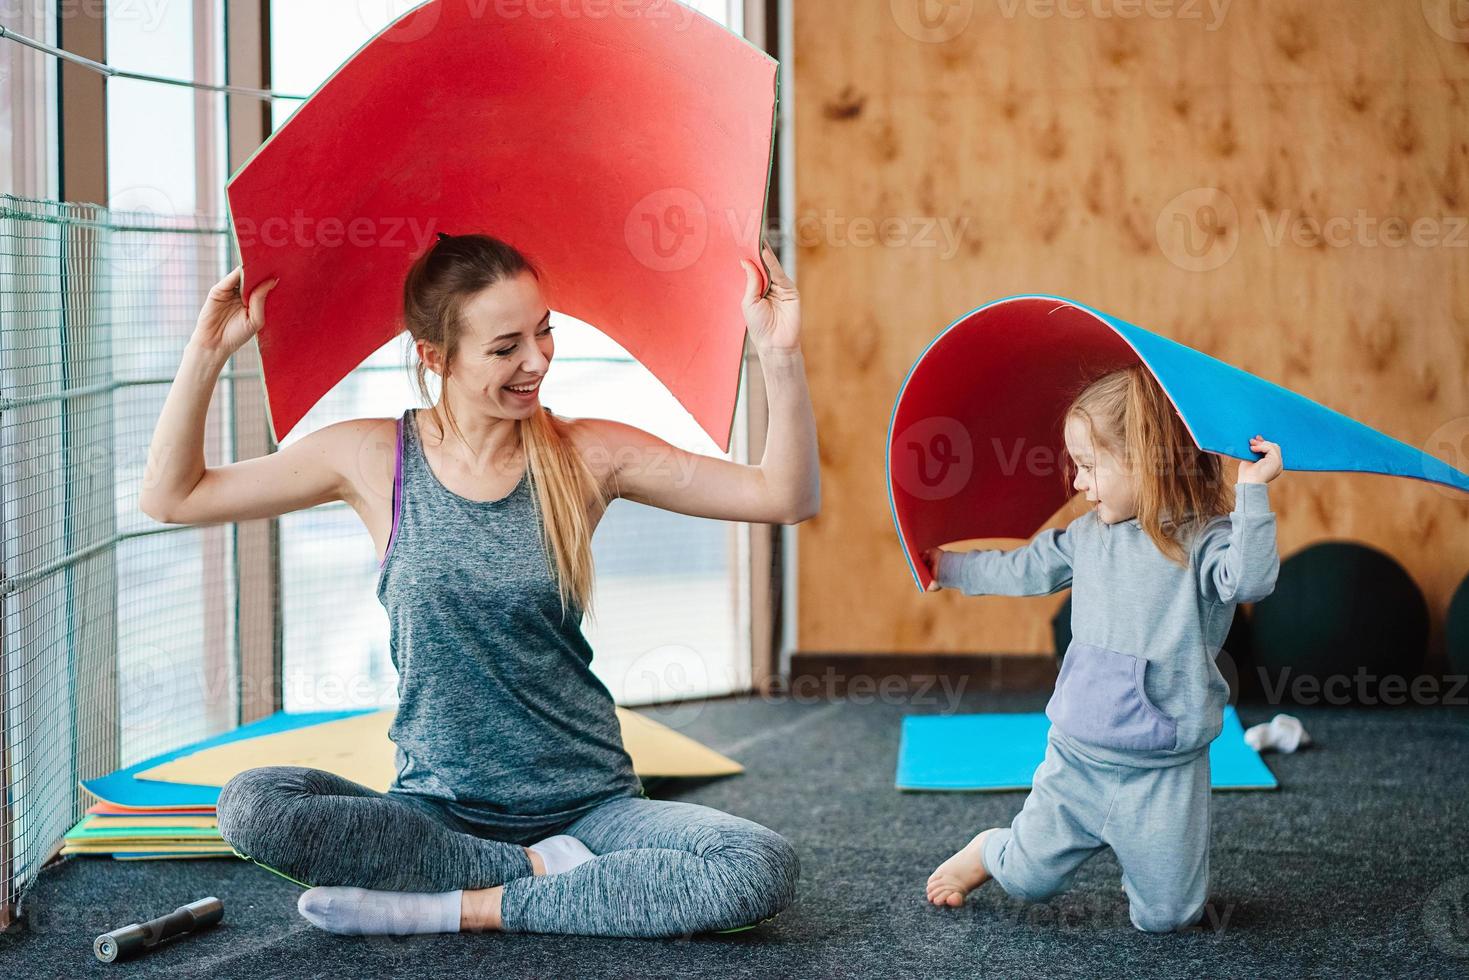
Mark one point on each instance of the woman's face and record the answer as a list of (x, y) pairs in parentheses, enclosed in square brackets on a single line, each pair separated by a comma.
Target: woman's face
[(506, 345), (1099, 474)]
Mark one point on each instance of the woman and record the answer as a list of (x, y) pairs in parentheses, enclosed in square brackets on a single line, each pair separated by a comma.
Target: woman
[(515, 806)]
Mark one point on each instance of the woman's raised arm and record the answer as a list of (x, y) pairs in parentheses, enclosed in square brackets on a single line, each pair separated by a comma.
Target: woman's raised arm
[(177, 487), (784, 488)]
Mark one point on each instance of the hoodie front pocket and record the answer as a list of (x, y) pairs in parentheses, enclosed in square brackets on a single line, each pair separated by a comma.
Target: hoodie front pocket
[(1100, 698)]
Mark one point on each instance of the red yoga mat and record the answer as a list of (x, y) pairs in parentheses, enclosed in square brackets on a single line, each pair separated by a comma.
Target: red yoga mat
[(626, 151)]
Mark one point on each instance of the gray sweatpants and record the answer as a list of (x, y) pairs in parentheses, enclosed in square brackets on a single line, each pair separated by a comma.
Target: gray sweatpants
[(663, 868), (1156, 820)]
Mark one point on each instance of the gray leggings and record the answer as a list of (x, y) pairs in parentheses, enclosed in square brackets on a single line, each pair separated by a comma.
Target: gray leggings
[(663, 868)]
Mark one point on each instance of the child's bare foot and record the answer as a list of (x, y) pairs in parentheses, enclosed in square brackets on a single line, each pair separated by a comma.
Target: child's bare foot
[(960, 874)]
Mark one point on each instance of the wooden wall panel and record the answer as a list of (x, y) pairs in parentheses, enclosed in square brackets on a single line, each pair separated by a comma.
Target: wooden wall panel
[(1073, 154)]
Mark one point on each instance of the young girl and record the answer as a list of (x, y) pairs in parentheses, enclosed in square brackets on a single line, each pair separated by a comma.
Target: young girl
[(1155, 570)]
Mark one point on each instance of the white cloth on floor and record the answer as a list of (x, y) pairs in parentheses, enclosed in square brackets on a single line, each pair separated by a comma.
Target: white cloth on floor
[(1283, 733)]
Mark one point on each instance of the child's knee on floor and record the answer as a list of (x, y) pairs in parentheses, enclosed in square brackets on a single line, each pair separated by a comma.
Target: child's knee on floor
[(1164, 919), (1027, 881), (1029, 889)]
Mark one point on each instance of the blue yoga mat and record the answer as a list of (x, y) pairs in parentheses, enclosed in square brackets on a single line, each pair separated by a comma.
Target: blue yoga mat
[(123, 788), (1002, 752)]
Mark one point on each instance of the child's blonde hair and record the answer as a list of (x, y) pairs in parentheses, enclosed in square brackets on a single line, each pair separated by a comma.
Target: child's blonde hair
[(1129, 415)]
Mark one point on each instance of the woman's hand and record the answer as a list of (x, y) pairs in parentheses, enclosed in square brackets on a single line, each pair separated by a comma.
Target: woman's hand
[(774, 320), (931, 559), (225, 323), (1261, 470)]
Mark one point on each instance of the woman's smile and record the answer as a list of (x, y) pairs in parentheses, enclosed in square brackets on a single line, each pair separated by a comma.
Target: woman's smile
[(526, 392)]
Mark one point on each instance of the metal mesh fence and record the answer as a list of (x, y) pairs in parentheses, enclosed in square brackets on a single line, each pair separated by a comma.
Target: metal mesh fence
[(100, 604)]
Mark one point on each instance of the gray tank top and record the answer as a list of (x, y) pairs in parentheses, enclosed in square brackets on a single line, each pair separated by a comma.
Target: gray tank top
[(499, 710)]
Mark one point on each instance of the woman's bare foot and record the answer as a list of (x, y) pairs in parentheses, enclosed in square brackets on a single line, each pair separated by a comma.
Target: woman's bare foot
[(479, 909), (960, 874)]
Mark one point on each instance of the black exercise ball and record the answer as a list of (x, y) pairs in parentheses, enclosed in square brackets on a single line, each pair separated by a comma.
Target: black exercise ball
[(1346, 624), (1456, 629)]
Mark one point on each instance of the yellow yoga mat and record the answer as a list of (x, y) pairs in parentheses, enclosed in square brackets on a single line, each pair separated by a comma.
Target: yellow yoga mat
[(358, 748)]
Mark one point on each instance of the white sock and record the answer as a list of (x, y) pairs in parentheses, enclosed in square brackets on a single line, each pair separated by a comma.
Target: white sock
[(365, 911), (1284, 733), (561, 853)]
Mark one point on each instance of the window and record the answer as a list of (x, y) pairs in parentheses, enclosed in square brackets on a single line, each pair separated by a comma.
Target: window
[(672, 602)]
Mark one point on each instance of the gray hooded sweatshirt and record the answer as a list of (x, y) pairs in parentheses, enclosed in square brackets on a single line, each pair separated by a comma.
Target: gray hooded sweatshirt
[(1139, 685)]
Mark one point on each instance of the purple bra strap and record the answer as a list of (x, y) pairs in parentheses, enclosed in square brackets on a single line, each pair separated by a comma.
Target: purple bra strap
[(397, 496)]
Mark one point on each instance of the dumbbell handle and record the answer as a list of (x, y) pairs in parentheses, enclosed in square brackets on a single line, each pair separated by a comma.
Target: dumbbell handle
[(139, 937)]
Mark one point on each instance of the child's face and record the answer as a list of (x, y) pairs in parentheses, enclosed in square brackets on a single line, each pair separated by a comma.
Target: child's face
[(1100, 475)]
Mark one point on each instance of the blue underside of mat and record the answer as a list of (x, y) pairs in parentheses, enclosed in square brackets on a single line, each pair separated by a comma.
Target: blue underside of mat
[(1002, 752), (124, 789)]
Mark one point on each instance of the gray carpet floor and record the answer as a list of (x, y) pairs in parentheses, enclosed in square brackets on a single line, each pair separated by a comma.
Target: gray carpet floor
[(1358, 866)]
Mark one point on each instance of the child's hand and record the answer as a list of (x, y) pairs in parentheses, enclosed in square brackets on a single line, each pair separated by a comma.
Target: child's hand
[(1261, 470), (931, 559)]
